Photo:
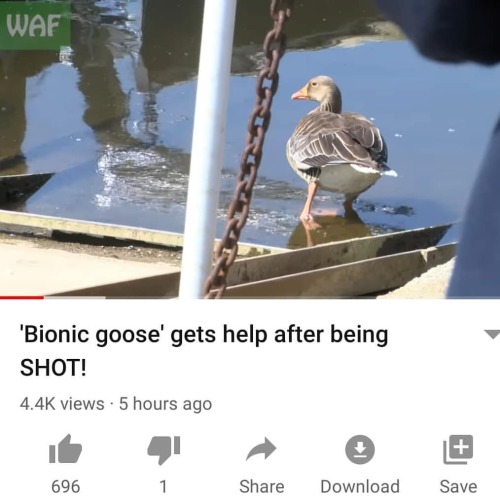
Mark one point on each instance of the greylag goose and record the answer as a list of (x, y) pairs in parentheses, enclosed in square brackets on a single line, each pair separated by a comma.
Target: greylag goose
[(335, 151)]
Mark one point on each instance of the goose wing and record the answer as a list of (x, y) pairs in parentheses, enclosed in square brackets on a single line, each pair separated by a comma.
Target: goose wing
[(323, 138)]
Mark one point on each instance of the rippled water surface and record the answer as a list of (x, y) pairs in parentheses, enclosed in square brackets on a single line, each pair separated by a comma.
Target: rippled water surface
[(113, 116)]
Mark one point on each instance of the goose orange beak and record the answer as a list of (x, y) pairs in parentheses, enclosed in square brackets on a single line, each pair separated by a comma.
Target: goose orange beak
[(301, 94)]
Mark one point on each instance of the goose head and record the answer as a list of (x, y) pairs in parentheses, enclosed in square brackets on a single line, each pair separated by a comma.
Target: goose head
[(323, 90)]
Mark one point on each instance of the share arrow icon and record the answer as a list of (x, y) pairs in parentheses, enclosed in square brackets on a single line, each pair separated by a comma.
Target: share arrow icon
[(493, 333), (265, 448)]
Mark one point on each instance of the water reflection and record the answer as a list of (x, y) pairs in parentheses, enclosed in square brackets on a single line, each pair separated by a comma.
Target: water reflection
[(171, 33), (328, 228), (168, 49), (106, 104), (134, 168), (15, 69), (333, 225), (114, 118)]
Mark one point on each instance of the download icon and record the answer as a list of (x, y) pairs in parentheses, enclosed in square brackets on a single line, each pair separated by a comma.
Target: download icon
[(360, 449)]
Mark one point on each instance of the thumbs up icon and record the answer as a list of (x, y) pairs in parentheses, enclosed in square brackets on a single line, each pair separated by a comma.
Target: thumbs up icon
[(67, 452)]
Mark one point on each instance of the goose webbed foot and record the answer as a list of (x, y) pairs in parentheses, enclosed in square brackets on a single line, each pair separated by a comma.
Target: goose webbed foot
[(312, 188), (310, 224), (306, 216)]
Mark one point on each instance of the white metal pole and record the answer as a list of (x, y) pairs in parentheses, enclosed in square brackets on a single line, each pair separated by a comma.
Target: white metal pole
[(208, 145)]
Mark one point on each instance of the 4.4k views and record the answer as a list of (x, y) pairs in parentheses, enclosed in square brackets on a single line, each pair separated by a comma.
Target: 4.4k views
[(123, 403), (51, 403)]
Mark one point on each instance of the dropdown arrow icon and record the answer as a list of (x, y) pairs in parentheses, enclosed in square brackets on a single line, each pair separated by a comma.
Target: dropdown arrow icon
[(493, 333)]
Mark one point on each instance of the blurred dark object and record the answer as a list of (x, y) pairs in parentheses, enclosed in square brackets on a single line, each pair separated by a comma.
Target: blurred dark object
[(449, 30), (459, 31), (16, 189)]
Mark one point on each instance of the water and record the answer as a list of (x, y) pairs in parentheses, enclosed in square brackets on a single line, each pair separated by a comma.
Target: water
[(113, 117)]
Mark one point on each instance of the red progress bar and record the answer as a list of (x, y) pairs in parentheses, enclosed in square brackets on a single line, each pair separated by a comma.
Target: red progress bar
[(21, 297)]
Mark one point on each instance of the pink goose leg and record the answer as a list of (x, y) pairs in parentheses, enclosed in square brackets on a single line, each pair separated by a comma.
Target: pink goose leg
[(311, 192)]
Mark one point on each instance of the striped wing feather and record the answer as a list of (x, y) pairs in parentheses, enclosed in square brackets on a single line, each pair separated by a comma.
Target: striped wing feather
[(322, 138)]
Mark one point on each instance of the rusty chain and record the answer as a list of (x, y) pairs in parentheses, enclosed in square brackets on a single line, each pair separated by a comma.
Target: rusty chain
[(258, 122)]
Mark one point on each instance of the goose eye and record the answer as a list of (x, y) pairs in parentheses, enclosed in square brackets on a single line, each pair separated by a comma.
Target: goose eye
[(314, 84)]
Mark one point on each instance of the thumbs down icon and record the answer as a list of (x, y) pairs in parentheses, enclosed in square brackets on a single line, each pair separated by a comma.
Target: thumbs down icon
[(161, 447), (67, 452)]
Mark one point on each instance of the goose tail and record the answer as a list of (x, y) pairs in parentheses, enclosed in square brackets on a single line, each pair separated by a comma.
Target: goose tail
[(386, 170)]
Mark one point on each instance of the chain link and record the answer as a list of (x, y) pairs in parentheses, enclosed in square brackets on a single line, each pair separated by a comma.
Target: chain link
[(258, 122)]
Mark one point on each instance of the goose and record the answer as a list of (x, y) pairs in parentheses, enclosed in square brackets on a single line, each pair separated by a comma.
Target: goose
[(335, 151)]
